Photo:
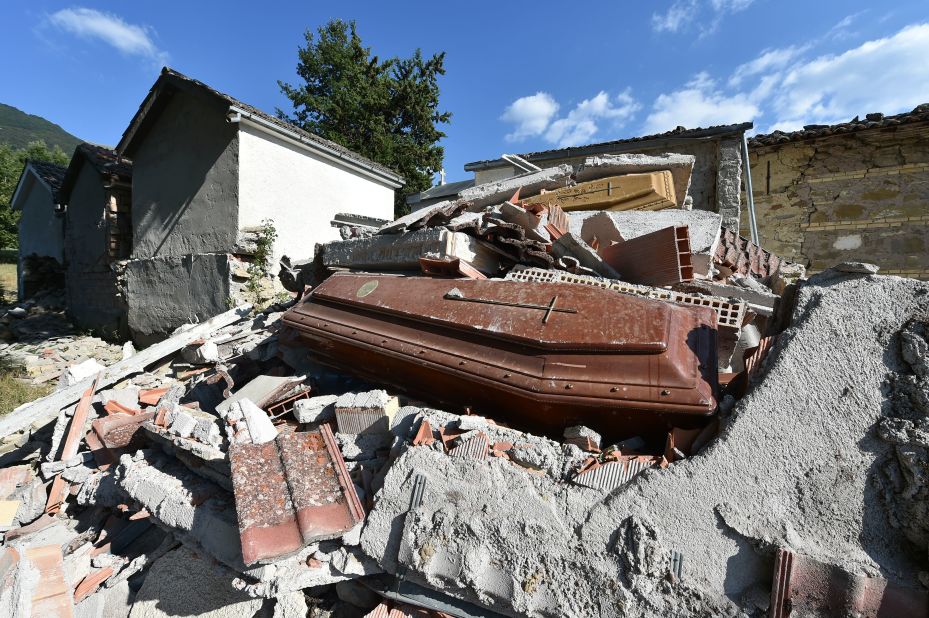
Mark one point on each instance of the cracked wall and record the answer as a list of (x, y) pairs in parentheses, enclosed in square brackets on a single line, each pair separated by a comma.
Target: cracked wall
[(860, 196)]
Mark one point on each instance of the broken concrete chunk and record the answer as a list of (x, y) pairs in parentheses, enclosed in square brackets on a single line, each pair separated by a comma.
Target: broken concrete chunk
[(79, 372), (363, 446), (528, 184), (704, 228), (534, 225), (182, 583), (205, 353), (402, 251), (246, 423), (127, 397), (862, 268), (583, 437), (370, 412), (315, 409), (571, 245)]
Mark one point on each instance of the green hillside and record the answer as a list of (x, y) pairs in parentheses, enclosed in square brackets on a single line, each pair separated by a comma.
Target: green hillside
[(18, 128)]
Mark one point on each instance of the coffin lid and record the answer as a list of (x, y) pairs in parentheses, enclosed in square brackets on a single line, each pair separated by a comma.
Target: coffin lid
[(604, 319)]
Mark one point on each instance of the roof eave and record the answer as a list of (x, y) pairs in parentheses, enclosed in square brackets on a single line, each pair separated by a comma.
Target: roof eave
[(241, 116)]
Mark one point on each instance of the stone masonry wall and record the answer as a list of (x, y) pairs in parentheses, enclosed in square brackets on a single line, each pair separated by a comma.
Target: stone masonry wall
[(861, 196)]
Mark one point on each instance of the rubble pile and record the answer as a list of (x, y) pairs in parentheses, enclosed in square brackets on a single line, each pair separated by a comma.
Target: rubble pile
[(566, 393)]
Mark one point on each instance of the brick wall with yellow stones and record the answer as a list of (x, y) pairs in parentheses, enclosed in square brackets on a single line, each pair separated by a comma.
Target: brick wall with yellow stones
[(857, 196)]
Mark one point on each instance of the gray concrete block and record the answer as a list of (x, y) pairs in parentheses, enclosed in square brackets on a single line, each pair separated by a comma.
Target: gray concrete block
[(316, 409), (182, 583), (402, 251), (571, 245)]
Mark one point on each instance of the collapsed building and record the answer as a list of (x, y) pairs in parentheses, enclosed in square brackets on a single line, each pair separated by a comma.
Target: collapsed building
[(572, 392), (853, 189), (40, 262)]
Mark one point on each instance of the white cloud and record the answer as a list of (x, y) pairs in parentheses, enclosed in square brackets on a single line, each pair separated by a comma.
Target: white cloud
[(769, 60), (581, 123), (535, 116), (698, 104), (841, 29), (531, 115), (784, 89), (129, 39), (676, 17), (705, 16), (889, 75)]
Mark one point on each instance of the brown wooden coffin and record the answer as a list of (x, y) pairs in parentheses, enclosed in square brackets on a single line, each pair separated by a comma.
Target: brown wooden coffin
[(542, 356)]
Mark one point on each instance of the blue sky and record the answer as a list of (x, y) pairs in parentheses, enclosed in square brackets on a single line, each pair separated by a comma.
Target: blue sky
[(521, 76)]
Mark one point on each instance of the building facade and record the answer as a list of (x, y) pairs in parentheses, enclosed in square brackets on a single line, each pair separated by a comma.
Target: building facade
[(40, 263), (209, 171), (852, 191), (96, 196)]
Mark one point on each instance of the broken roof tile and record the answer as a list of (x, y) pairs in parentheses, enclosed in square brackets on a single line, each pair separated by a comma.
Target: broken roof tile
[(290, 492)]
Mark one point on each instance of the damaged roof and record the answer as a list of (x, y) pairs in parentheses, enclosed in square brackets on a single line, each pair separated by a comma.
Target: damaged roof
[(448, 189), (920, 113), (620, 145), (50, 174), (103, 159), (171, 81)]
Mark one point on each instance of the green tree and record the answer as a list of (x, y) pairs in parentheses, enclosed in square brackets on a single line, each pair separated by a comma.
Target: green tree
[(385, 110), (12, 161)]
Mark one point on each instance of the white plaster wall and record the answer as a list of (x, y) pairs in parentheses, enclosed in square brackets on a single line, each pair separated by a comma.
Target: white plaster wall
[(300, 192), (40, 231)]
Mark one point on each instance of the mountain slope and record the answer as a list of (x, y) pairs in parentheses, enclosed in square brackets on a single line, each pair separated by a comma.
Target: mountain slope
[(18, 128)]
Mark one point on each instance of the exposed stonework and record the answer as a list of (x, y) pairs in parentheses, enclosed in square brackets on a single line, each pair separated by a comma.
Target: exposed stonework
[(855, 195)]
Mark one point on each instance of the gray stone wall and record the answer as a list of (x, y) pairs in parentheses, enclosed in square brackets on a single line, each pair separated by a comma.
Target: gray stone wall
[(166, 292), (92, 288), (185, 181), (853, 196), (41, 233)]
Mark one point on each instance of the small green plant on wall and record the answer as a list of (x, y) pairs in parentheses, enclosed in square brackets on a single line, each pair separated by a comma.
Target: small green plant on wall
[(259, 271)]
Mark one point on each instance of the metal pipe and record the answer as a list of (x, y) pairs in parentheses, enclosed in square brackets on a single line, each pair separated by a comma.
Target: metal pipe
[(237, 115), (750, 197)]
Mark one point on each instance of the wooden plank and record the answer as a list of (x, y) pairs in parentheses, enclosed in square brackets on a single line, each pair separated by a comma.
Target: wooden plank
[(651, 191), (60, 487), (46, 409)]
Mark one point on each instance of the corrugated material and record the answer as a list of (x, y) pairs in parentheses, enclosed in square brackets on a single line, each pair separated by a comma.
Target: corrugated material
[(660, 258), (354, 420), (476, 447), (613, 474), (617, 359), (728, 313)]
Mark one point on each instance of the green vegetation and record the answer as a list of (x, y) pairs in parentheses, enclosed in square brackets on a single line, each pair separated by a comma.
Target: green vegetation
[(14, 391), (18, 129), (385, 110), (259, 271), (8, 284), (12, 161)]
